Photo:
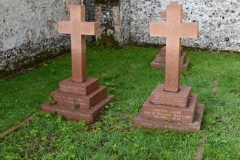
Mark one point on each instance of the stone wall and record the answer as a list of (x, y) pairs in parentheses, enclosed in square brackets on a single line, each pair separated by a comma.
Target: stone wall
[(28, 28), (219, 22), (125, 17), (117, 16), (108, 15), (28, 32), (90, 14)]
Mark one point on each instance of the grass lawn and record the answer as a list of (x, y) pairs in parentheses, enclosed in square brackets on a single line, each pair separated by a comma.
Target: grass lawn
[(214, 76)]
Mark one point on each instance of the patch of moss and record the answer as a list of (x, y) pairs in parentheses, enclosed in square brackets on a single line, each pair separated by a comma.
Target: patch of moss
[(27, 63), (106, 39), (106, 1)]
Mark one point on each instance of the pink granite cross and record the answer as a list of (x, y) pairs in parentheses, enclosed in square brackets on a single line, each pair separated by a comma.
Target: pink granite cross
[(78, 28), (164, 14), (173, 30)]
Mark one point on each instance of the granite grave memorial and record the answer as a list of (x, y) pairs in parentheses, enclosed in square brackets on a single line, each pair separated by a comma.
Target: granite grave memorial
[(171, 106), (78, 97)]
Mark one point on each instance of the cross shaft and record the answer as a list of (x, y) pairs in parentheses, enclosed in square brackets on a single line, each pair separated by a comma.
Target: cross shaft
[(78, 28), (173, 30)]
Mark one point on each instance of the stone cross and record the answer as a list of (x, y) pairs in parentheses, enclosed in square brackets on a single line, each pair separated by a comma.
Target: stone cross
[(173, 30), (78, 28), (164, 14)]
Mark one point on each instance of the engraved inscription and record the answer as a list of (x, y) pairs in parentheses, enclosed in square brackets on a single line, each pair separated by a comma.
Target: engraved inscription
[(170, 115), (164, 126), (80, 101), (68, 88)]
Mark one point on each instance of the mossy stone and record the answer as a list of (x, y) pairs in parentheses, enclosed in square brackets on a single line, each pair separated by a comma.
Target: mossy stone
[(106, 1), (106, 39)]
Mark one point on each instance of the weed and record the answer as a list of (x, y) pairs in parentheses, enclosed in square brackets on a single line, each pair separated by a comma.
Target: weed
[(75, 104), (51, 100)]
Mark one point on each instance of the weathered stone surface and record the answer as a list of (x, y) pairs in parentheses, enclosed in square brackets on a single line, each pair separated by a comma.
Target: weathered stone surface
[(69, 86), (214, 21), (125, 17), (90, 14), (78, 114), (29, 30), (109, 15), (180, 98), (170, 113), (139, 120), (83, 102)]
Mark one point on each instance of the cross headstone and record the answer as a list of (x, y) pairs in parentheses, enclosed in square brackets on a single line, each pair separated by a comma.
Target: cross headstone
[(78, 97), (170, 106), (160, 60), (173, 30), (78, 28), (164, 13)]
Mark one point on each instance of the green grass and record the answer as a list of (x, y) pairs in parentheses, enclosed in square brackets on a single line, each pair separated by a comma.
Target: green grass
[(128, 76)]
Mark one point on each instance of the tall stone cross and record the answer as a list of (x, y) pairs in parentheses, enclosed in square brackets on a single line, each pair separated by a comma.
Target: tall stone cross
[(173, 30), (78, 28)]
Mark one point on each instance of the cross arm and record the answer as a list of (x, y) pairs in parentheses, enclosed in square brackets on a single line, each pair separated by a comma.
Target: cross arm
[(189, 30), (164, 14), (158, 29), (89, 28), (64, 27)]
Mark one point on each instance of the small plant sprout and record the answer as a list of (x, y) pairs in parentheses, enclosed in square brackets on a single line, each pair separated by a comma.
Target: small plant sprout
[(169, 117), (75, 104), (51, 100)]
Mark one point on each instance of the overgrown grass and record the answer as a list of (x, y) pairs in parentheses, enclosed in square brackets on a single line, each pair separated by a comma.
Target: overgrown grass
[(128, 76)]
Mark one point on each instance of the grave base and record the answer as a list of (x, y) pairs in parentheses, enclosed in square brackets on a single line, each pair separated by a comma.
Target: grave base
[(170, 113), (90, 115), (78, 100), (157, 65), (160, 60), (180, 98), (149, 123), (84, 88)]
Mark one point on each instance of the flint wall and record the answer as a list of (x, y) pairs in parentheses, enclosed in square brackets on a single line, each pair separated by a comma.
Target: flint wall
[(28, 32), (219, 22)]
